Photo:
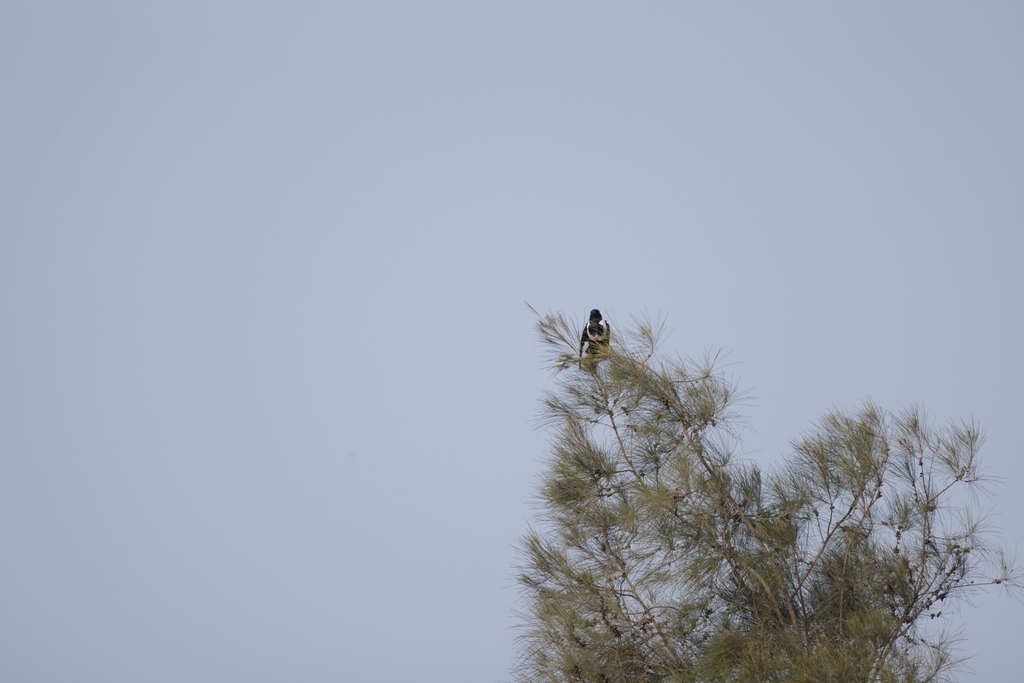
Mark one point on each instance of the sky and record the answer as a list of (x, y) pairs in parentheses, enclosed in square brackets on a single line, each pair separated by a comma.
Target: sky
[(268, 379)]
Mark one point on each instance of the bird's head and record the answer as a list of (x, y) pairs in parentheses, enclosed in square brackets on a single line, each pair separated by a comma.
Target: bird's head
[(595, 316)]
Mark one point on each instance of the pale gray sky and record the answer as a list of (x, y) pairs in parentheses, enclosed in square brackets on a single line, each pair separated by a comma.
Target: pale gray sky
[(267, 377)]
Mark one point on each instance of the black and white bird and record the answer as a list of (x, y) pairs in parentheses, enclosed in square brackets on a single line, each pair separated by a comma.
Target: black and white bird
[(596, 335)]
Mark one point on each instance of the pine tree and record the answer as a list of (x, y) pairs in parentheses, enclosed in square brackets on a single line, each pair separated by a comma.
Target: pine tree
[(661, 556)]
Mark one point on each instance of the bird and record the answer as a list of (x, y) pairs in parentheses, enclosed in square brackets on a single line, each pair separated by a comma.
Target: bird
[(596, 335)]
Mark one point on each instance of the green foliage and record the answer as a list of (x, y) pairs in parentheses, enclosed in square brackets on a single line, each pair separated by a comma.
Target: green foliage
[(662, 557)]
